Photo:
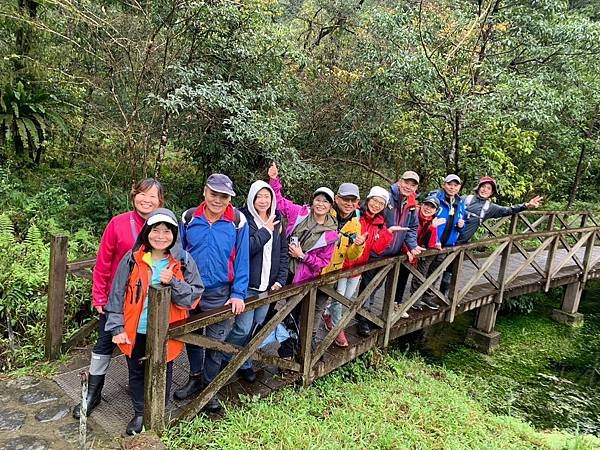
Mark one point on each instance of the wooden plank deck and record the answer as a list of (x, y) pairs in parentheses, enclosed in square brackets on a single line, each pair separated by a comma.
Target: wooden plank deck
[(115, 411)]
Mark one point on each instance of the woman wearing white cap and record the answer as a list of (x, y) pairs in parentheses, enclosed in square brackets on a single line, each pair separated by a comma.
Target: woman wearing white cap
[(311, 230), (378, 235), (154, 259), (312, 234)]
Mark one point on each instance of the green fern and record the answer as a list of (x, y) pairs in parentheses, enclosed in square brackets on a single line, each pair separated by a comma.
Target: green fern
[(7, 231), (33, 238)]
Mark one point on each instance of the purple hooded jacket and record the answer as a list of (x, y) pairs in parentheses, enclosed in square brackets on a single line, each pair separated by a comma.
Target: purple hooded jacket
[(315, 258)]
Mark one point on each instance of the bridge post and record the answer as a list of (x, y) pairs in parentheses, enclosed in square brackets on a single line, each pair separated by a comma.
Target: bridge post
[(57, 279), (391, 285), (482, 336), (307, 318), (570, 304), (155, 378)]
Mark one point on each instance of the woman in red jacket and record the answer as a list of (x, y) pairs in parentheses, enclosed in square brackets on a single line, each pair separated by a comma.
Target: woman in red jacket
[(427, 238), (378, 237), (118, 238)]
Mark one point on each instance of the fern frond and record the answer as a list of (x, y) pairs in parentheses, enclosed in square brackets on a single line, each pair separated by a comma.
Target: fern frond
[(7, 230)]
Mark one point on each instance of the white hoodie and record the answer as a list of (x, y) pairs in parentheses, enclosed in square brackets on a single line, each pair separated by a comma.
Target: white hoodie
[(267, 249)]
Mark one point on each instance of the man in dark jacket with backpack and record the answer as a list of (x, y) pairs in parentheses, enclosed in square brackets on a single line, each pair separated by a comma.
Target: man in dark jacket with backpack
[(216, 235), (479, 208)]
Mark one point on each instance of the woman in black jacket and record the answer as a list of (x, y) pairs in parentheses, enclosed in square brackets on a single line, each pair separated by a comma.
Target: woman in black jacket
[(268, 262)]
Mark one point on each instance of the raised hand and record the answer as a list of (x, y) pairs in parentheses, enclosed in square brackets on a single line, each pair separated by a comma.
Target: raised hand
[(360, 240), (166, 275), (271, 223), (395, 228), (534, 202), (438, 221), (273, 171)]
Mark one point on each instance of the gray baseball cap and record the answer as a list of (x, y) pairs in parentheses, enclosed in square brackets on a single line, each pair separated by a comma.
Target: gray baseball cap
[(348, 189), (411, 175), (220, 183), (452, 177)]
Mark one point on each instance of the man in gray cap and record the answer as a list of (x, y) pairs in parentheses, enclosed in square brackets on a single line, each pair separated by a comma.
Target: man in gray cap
[(216, 235), (452, 211), (349, 247)]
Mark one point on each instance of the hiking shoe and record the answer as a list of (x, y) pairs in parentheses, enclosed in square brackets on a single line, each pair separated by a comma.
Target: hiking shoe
[(341, 340), (363, 328), (248, 374), (327, 321), (419, 305), (431, 304)]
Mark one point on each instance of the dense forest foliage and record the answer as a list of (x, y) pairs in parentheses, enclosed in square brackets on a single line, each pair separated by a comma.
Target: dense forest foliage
[(97, 93)]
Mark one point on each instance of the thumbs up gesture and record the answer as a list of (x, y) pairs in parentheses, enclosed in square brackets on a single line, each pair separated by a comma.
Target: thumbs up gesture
[(360, 240), (166, 275)]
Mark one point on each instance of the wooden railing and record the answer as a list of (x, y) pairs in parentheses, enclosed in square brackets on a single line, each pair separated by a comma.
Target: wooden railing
[(493, 268), (59, 269), (534, 237)]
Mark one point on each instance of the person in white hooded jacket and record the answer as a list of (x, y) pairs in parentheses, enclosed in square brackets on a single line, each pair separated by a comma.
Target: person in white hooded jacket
[(268, 262)]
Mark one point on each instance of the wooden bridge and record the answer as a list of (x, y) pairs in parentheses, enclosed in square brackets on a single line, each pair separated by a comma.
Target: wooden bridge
[(532, 251)]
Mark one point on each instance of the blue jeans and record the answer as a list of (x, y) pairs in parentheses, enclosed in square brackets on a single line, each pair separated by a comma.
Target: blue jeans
[(243, 326), (203, 360), (348, 288)]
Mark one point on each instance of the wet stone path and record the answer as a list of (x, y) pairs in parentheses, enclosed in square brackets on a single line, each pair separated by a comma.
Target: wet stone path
[(35, 414)]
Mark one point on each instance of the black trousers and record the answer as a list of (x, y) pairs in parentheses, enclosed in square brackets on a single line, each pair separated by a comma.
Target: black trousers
[(104, 344), (137, 366)]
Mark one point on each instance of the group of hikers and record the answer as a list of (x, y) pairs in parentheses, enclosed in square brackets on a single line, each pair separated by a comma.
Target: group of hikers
[(218, 255)]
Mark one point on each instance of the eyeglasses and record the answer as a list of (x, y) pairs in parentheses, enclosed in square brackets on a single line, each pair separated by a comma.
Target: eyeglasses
[(377, 202), (322, 201)]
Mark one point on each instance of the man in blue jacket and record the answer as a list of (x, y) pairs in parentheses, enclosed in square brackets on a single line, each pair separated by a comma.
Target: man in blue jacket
[(216, 235), (452, 211)]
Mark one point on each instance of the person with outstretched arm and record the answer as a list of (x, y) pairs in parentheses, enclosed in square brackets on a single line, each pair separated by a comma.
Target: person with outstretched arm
[(479, 208)]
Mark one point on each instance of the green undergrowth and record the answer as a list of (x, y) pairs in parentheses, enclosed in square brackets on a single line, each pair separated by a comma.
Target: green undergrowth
[(543, 372), (378, 401)]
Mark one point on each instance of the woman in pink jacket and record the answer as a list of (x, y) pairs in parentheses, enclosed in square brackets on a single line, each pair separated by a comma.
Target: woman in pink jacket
[(312, 235), (118, 238)]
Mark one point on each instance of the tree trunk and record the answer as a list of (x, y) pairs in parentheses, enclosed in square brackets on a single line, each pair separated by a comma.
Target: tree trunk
[(162, 147), (23, 34), (578, 176), (455, 151)]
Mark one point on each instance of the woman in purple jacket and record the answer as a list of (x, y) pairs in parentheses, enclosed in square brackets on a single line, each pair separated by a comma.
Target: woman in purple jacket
[(311, 230), (312, 235)]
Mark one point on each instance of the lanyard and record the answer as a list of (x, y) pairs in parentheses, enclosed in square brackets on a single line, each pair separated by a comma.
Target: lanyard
[(134, 231)]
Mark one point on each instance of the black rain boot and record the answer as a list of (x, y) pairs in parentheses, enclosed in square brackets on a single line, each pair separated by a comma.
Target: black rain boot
[(212, 406), (445, 283), (95, 385), (363, 327), (135, 425), (192, 387)]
